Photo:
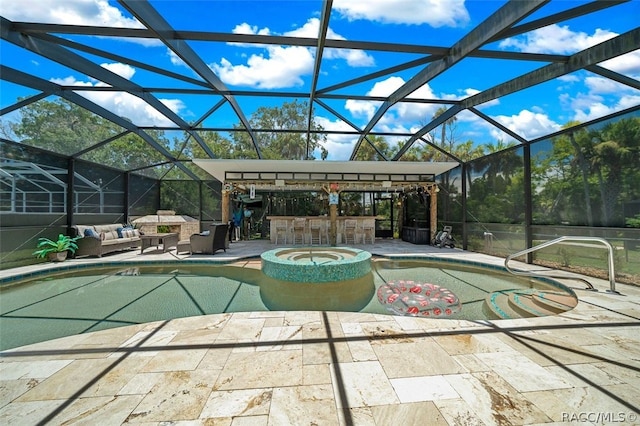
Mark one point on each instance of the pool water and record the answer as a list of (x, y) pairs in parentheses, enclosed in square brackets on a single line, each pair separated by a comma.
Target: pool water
[(92, 299)]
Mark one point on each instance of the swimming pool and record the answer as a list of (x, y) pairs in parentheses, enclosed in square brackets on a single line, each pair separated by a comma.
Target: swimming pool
[(86, 299)]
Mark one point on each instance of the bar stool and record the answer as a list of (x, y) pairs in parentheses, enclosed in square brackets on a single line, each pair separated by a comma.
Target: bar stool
[(299, 228), (316, 229), (368, 231), (349, 231), (281, 230)]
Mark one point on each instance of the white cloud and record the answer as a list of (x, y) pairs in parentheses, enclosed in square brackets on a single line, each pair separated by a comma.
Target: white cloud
[(465, 93), (401, 115), (73, 12), (71, 81), (279, 66), (561, 40), (527, 124), (628, 101), (124, 104), (628, 64), (339, 146), (437, 13), (593, 110), (589, 107), (355, 58), (123, 70), (175, 59), (556, 39), (366, 109), (469, 117), (601, 85), (405, 116), (282, 67), (569, 78), (245, 28), (603, 96)]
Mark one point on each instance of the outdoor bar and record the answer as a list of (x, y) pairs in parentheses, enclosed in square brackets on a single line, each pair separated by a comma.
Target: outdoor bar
[(329, 181), (315, 229)]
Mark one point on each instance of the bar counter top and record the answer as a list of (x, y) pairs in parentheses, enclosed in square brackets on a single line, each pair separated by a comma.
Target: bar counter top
[(364, 229)]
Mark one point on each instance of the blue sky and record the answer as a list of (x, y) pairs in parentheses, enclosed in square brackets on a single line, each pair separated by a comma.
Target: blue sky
[(531, 113)]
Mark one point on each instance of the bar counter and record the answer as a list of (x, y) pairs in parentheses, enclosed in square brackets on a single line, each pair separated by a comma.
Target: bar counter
[(283, 230)]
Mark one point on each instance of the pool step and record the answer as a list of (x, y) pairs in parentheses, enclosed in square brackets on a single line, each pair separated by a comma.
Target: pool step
[(527, 303)]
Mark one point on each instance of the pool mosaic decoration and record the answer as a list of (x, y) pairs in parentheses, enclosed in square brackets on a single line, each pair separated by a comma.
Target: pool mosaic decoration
[(316, 265), (418, 299)]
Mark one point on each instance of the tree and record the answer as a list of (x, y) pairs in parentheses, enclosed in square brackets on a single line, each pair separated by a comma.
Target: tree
[(221, 146), (583, 164), (367, 153), (616, 153), (447, 134), (275, 142), (61, 126)]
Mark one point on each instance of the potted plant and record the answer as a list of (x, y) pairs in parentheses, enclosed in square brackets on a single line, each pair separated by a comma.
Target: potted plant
[(56, 251)]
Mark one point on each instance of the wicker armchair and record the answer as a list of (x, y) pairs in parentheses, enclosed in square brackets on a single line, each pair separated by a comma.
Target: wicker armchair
[(209, 244)]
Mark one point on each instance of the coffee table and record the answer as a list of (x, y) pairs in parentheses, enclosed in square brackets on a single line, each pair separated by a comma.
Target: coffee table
[(167, 240)]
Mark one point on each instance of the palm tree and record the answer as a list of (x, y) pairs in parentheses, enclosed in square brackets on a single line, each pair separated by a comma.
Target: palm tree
[(583, 164), (446, 143), (616, 149)]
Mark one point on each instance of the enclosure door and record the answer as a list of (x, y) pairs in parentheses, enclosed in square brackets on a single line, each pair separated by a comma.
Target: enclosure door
[(383, 210)]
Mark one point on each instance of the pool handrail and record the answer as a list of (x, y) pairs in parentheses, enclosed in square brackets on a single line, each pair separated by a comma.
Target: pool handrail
[(612, 275)]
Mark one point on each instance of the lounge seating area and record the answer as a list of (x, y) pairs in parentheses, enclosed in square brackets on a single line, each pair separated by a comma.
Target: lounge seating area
[(98, 240)]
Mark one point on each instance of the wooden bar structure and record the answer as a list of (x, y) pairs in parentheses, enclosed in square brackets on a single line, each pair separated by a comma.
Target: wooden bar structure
[(331, 177), (365, 225)]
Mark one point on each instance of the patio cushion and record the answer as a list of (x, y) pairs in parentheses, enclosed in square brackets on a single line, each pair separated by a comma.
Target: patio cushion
[(129, 233), (113, 241), (110, 231), (90, 232)]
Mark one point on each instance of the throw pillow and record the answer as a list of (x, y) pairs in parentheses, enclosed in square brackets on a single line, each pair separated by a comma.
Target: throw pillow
[(91, 233), (128, 232), (205, 233)]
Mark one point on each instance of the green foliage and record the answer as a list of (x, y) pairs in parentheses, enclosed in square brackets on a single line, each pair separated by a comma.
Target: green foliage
[(273, 145), (61, 126), (566, 255), (585, 176), (180, 196), (63, 243), (633, 222), (367, 152), (64, 127), (496, 190), (579, 178)]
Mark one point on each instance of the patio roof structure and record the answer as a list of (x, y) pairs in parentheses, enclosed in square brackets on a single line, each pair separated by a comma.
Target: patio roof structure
[(305, 175), (79, 59)]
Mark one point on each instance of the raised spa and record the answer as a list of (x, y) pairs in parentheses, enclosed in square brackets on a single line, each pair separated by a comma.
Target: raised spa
[(316, 265)]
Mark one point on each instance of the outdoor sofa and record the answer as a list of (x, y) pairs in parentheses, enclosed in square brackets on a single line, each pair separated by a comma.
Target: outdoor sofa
[(96, 240)]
